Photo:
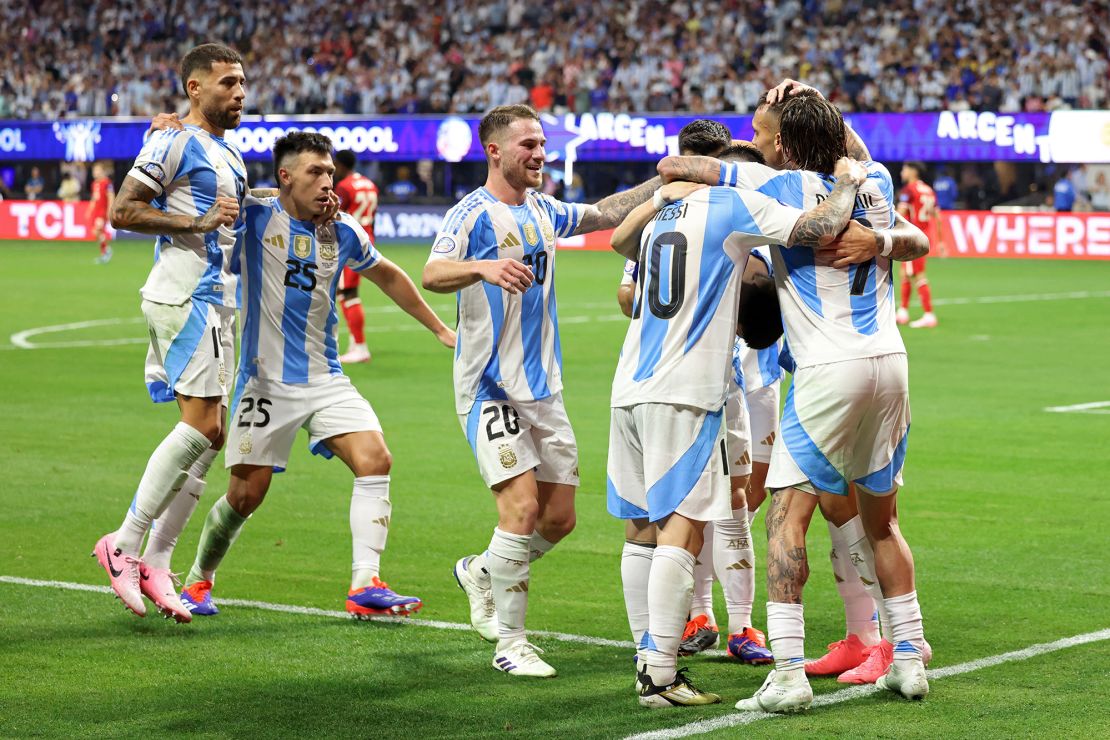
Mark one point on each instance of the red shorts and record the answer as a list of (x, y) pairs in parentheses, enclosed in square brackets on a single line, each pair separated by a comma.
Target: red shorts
[(98, 220), (915, 267), (349, 279)]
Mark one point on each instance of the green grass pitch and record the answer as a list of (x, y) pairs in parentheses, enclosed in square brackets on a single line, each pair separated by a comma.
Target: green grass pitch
[(1006, 508)]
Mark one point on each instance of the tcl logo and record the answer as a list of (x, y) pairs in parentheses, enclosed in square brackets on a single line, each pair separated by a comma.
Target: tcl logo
[(48, 219)]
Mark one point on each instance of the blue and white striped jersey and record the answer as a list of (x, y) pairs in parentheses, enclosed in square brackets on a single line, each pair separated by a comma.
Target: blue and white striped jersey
[(290, 270), (829, 314), (680, 342), (761, 366), (508, 345), (189, 169)]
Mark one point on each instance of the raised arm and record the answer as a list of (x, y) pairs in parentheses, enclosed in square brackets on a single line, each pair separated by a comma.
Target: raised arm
[(859, 244), (857, 150), (131, 210), (608, 212), (393, 281), (626, 237), (824, 223), (705, 170)]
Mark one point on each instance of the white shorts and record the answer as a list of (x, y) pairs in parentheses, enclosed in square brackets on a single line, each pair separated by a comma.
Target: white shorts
[(763, 419), (191, 352), (266, 415), (665, 458), (844, 421), (738, 437), (512, 437)]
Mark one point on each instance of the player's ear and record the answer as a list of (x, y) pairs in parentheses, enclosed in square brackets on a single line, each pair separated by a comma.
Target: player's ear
[(283, 176), (778, 142), (493, 151)]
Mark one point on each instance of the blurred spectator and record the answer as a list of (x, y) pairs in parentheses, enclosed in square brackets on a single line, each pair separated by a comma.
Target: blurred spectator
[(1063, 195), (402, 189), (101, 57), (946, 191), (69, 189), (34, 186)]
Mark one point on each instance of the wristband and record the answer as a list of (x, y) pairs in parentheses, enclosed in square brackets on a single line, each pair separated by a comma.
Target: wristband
[(888, 244), (658, 201)]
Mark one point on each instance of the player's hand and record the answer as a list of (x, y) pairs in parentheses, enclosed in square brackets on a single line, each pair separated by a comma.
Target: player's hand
[(856, 244), (446, 337), (331, 213), (851, 170), (679, 189), (786, 88), (222, 213), (513, 276), (164, 121)]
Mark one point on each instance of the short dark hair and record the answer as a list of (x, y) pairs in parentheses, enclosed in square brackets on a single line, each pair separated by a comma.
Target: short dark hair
[(813, 133), (704, 136), (203, 57), (742, 152), (297, 142), (502, 117), (918, 167), (346, 158), (759, 319), (776, 108)]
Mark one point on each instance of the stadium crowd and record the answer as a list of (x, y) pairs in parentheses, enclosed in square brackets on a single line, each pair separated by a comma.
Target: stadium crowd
[(111, 57)]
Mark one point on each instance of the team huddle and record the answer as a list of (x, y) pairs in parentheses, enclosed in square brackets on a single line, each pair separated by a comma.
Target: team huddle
[(745, 260)]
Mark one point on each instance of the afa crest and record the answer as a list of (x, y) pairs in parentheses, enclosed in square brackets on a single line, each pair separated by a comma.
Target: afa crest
[(507, 456), (245, 444), (328, 251), (302, 245), (548, 232), (531, 234)]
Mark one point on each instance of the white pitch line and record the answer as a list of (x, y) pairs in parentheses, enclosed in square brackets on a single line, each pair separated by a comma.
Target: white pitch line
[(858, 692), (1096, 407), (1023, 298), (314, 612)]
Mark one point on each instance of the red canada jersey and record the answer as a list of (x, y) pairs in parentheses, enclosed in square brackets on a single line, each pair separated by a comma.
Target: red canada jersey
[(922, 202), (358, 196), (101, 189)]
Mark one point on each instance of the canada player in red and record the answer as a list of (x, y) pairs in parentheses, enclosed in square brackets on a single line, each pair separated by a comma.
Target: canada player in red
[(918, 204), (102, 194), (358, 196)]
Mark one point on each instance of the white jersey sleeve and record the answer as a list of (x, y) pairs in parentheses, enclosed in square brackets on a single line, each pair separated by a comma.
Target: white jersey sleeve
[(628, 277)]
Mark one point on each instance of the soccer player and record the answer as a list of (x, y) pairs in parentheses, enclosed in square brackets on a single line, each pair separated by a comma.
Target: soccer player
[(290, 376), (918, 203), (358, 196), (496, 250), (102, 195), (847, 412), (667, 464), (186, 187)]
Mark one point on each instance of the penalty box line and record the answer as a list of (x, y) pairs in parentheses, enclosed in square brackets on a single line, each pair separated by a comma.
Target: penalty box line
[(858, 692), (333, 614)]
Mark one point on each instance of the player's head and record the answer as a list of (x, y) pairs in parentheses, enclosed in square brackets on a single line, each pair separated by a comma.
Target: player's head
[(812, 134), (912, 171), (742, 151), (704, 137), (759, 320), (513, 141), (304, 169), (345, 162), (765, 125), (212, 77), (99, 169)]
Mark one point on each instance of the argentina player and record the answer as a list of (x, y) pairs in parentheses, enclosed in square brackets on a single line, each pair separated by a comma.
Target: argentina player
[(290, 377)]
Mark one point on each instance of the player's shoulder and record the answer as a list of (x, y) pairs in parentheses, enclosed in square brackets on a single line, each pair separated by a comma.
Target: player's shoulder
[(463, 214), (254, 202), (877, 170), (346, 224)]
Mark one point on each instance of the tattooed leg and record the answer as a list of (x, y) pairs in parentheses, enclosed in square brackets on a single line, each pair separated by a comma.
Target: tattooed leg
[(787, 565)]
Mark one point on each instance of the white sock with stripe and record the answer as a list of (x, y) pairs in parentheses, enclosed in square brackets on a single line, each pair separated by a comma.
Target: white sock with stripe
[(861, 616), (370, 512), (786, 631), (635, 571), (702, 601), (509, 573), (907, 633), (670, 589), (165, 530), (734, 560)]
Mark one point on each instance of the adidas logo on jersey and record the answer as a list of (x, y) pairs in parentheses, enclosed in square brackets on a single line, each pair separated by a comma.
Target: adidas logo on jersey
[(742, 565), (520, 588), (511, 240)]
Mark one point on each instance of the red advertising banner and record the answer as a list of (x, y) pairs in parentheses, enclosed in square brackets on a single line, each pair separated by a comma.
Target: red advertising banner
[(1071, 236), (1074, 236), (49, 220)]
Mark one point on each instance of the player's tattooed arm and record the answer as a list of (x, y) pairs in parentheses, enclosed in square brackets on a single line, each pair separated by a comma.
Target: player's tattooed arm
[(608, 212), (626, 238), (857, 150), (859, 244), (820, 226), (131, 210), (692, 169)]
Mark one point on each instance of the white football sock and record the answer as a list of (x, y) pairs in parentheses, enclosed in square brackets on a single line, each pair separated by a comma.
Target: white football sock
[(164, 475), (507, 561), (861, 616), (906, 629), (165, 530), (786, 631), (863, 560), (538, 546), (370, 510), (635, 571), (734, 561), (702, 601), (670, 589), (221, 529)]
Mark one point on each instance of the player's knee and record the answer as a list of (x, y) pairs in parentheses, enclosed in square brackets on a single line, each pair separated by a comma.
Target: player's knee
[(559, 525)]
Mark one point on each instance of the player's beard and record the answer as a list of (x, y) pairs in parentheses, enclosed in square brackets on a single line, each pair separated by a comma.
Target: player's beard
[(222, 117), (521, 177)]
